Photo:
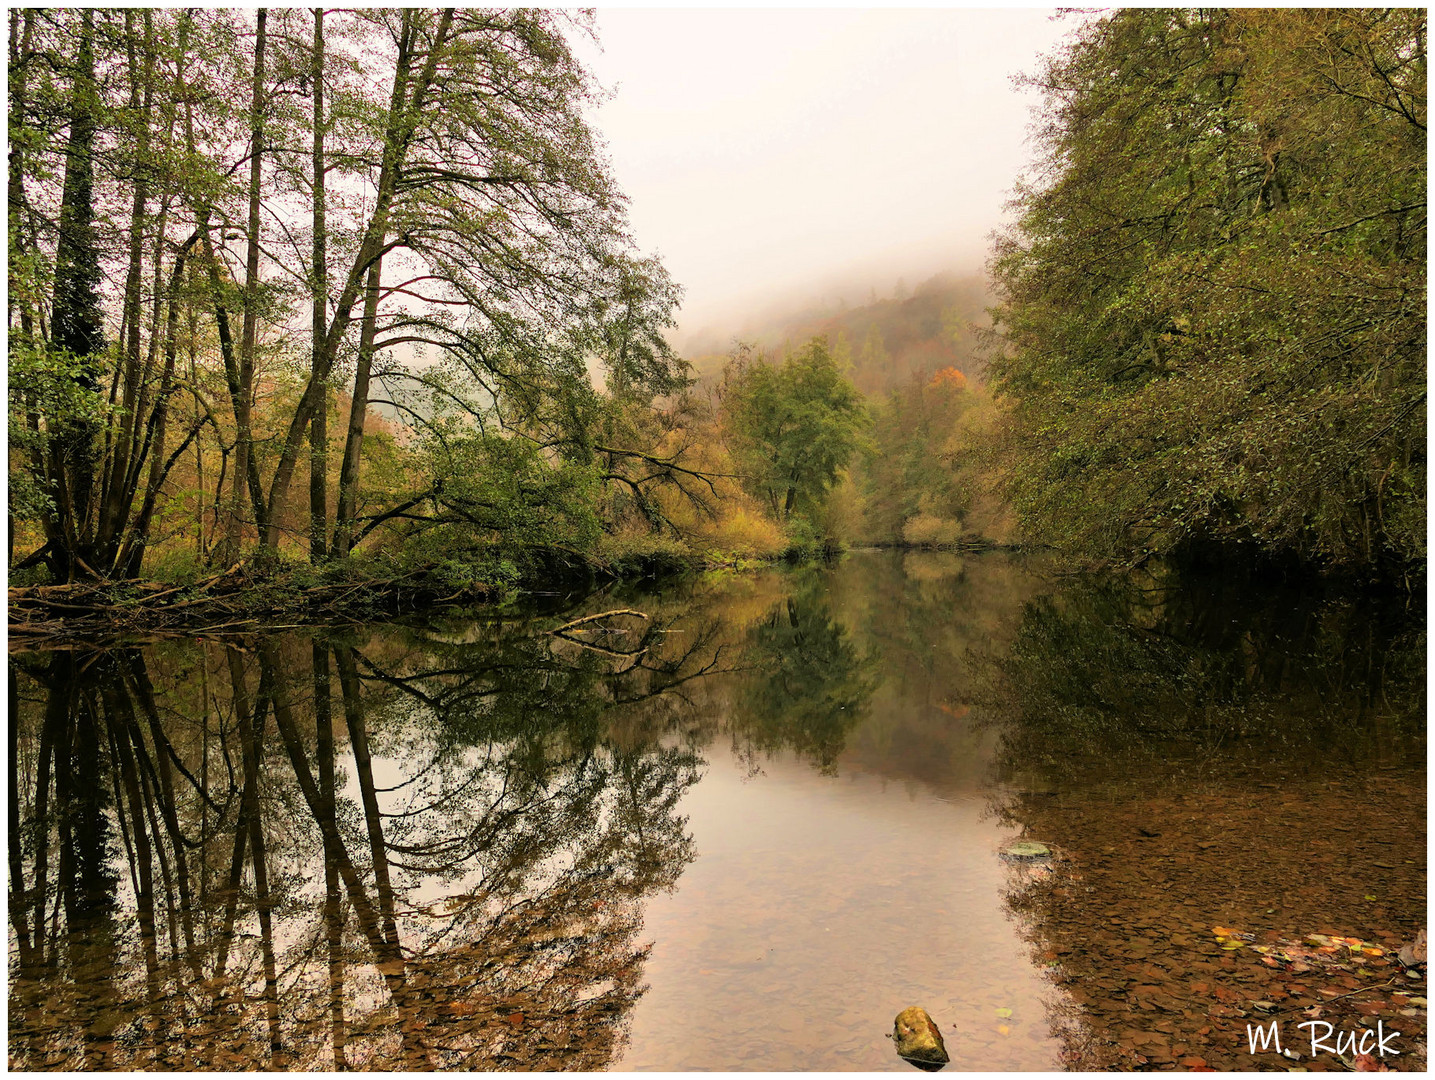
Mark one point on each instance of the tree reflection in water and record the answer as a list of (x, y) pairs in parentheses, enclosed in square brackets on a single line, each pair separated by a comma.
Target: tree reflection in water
[(809, 683), (1216, 755), (1201, 676), (300, 853)]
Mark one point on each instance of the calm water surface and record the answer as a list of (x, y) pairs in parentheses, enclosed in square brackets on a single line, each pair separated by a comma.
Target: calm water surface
[(742, 832)]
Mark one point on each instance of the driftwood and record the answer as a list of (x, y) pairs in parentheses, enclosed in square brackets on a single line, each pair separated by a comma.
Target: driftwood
[(224, 601)]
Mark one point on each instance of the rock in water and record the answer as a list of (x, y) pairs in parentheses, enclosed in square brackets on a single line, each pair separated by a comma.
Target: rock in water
[(918, 1040), (1030, 849)]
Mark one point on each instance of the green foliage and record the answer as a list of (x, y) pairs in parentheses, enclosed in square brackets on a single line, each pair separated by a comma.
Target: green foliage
[(908, 473), (509, 290), (496, 505), (1212, 324), (811, 684), (792, 429), (57, 385)]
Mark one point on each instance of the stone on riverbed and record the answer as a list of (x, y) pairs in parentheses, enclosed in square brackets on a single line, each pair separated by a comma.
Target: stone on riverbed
[(918, 1040), (1026, 850)]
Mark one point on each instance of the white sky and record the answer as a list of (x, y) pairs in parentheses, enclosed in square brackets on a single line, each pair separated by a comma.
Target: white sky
[(772, 154)]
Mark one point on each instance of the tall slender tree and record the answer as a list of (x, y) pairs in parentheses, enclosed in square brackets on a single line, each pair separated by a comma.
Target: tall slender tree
[(318, 427)]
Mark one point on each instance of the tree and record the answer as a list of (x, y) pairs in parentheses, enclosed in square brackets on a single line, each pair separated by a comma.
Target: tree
[(477, 240), (792, 428), (319, 285), (914, 489), (1211, 328), (77, 339)]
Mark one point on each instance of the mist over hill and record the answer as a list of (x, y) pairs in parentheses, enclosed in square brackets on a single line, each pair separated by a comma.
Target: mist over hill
[(886, 340)]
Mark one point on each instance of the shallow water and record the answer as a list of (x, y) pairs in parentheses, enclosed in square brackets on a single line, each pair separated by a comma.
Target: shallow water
[(741, 833)]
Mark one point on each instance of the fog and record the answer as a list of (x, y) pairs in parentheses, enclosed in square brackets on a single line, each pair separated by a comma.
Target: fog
[(782, 156)]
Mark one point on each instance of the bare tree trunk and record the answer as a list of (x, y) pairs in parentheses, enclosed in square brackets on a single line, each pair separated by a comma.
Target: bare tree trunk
[(192, 326), (245, 398), (113, 489), (231, 376), (250, 477), (358, 412), (21, 51), (132, 542), (404, 111), (76, 321), (318, 427)]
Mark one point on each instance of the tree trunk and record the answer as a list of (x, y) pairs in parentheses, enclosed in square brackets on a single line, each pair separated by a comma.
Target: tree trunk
[(404, 112), (318, 427), (358, 412), (132, 553), (113, 498), (231, 366), (21, 50), (243, 401), (77, 326)]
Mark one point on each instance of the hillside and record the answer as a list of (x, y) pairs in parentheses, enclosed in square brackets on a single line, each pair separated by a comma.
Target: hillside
[(885, 340)]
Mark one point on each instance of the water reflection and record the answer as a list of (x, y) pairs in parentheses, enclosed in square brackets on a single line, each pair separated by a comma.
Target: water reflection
[(1206, 675), (1215, 755), (295, 853), (505, 845), (810, 683)]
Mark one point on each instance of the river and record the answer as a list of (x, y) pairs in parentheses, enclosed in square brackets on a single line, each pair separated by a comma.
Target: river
[(737, 823)]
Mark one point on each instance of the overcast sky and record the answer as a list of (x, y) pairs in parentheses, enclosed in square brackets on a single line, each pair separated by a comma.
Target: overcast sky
[(778, 154)]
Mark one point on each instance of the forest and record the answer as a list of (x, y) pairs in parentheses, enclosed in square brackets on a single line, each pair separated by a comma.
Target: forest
[(429, 649), (353, 296)]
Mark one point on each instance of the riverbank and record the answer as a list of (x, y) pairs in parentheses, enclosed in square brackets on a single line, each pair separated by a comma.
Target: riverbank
[(277, 593)]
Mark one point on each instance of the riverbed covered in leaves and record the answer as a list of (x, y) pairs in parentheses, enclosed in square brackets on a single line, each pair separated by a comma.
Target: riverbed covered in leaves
[(733, 823)]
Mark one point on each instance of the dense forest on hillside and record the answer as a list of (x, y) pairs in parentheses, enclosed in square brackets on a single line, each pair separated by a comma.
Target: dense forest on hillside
[(882, 342), (357, 290)]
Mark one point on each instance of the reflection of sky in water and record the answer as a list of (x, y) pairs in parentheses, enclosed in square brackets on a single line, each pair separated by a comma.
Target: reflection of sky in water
[(817, 909), (846, 817)]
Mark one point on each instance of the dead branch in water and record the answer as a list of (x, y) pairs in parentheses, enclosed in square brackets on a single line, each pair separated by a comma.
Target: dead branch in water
[(595, 618)]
